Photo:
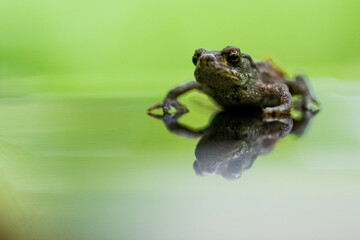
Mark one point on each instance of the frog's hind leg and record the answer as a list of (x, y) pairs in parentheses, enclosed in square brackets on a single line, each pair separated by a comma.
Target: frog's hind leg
[(284, 108), (301, 86)]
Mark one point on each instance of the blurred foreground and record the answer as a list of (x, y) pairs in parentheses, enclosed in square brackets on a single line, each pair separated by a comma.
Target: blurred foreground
[(100, 168)]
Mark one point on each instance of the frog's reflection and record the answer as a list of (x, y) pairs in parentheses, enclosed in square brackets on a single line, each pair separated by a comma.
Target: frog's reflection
[(233, 140)]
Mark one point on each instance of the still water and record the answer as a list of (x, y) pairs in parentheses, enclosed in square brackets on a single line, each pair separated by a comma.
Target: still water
[(90, 167)]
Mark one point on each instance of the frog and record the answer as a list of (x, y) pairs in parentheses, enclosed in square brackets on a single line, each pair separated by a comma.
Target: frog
[(233, 79)]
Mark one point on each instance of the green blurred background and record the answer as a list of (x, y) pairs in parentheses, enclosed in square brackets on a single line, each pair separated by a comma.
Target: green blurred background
[(80, 159), (146, 46)]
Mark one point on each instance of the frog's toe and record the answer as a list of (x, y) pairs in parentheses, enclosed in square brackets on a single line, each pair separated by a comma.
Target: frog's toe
[(312, 105), (169, 106), (182, 109), (157, 116), (157, 106), (174, 106)]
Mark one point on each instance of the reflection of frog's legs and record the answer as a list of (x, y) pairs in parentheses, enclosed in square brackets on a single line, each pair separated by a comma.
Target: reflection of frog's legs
[(171, 123), (301, 86), (282, 91), (171, 102), (301, 125), (277, 128)]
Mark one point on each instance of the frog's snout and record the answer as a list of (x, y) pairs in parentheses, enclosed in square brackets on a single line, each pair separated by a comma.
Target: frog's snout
[(207, 59)]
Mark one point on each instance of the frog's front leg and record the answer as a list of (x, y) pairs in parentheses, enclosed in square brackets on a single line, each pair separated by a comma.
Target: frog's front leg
[(283, 93), (171, 102), (301, 86)]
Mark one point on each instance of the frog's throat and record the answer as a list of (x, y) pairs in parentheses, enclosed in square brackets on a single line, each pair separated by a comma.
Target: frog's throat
[(230, 75)]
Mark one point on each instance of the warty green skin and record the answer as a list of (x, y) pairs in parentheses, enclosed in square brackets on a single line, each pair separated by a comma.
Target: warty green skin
[(240, 82)]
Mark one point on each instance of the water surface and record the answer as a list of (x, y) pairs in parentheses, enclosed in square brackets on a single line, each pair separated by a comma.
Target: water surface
[(97, 167)]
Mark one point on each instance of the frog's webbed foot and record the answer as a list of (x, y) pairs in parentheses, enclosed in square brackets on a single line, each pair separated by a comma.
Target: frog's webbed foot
[(171, 103), (310, 104), (168, 105), (301, 86), (168, 119), (300, 125)]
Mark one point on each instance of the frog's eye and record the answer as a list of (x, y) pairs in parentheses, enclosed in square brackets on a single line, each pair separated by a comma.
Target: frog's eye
[(195, 58), (234, 56)]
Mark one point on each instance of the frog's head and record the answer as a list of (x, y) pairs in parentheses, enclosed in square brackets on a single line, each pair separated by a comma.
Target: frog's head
[(219, 68)]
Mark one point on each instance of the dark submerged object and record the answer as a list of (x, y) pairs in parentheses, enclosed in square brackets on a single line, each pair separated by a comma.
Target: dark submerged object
[(233, 140), (233, 79)]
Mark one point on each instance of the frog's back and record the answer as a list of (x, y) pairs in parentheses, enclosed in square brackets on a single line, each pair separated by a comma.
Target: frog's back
[(270, 72)]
